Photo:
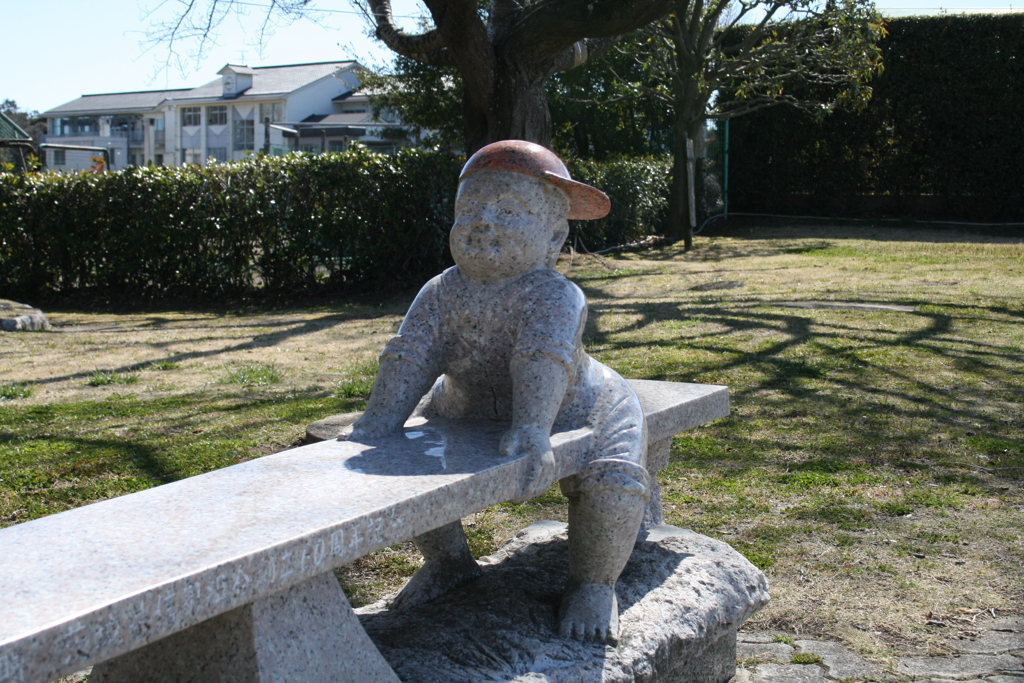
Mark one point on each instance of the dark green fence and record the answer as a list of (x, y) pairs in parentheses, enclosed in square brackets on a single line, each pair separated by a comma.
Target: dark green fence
[(942, 137)]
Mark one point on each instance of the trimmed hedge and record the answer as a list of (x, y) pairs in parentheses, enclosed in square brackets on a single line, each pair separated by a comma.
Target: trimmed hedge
[(273, 224), (638, 188), (942, 136)]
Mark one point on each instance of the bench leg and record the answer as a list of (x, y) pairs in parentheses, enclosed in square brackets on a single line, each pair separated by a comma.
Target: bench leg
[(657, 460), (304, 634)]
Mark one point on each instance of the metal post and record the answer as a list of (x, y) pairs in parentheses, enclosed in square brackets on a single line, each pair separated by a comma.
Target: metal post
[(725, 190), (690, 169)]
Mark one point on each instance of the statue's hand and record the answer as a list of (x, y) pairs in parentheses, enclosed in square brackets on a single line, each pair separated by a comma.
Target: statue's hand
[(363, 429), (535, 443)]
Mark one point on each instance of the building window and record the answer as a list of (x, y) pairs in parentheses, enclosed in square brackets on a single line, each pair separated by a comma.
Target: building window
[(217, 153), (192, 155), (217, 116), (59, 157), (191, 116), (86, 125), (158, 159), (336, 145), (310, 149), (245, 134), (273, 111), (159, 137)]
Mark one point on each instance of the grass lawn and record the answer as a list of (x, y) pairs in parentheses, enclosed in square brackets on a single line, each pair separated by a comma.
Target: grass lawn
[(872, 465)]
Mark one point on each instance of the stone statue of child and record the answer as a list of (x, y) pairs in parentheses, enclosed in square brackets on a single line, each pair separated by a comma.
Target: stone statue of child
[(498, 336)]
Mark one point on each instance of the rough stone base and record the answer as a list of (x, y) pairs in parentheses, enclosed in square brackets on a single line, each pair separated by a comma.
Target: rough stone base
[(305, 634), (682, 596)]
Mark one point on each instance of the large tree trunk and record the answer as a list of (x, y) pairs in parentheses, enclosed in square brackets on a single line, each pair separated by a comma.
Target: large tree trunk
[(679, 209), (516, 109)]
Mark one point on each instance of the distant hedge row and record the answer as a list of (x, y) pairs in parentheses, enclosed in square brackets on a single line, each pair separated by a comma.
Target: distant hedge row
[(942, 137), (278, 224)]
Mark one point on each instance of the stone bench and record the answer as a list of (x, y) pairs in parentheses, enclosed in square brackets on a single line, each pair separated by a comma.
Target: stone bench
[(228, 575)]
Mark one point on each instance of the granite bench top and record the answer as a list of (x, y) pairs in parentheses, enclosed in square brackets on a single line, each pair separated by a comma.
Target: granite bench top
[(95, 582)]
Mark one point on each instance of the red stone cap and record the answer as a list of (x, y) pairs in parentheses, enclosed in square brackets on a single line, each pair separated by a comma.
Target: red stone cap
[(585, 202)]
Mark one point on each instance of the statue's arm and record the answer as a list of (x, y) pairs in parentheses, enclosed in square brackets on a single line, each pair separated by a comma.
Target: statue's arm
[(547, 351), (539, 383), (399, 386), (409, 364)]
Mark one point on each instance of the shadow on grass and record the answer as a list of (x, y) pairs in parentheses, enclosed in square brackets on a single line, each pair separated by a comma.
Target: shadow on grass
[(58, 456), (873, 386), (291, 330)]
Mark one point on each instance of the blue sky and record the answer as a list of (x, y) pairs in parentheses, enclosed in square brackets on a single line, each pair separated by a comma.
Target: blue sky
[(53, 51)]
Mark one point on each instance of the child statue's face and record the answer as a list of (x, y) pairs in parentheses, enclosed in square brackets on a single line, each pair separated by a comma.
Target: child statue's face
[(506, 224)]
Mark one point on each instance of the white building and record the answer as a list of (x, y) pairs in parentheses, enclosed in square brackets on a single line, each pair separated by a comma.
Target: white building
[(275, 109)]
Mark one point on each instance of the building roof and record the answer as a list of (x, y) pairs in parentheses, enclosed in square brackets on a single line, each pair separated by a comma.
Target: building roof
[(344, 119), (266, 80), (237, 68), (270, 80), (9, 130), (115, 103)]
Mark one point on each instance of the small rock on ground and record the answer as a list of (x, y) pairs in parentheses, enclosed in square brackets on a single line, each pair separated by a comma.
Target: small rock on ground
[(15, 317)]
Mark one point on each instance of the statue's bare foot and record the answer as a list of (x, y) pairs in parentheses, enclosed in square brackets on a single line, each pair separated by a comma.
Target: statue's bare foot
[(434, 579), (590, 612)]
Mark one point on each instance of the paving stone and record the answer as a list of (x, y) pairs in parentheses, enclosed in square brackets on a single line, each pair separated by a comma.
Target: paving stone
[(839, 662), (755, 637), (960, 667), (1005, 679), (741, 676), (788, 673), (991, 642), (950, 680), (1007, 623), (780, 652)]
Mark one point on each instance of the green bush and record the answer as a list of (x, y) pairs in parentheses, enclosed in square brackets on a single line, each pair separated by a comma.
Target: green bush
[(941, 137), (638, 188), (280, 224), (276, 223)]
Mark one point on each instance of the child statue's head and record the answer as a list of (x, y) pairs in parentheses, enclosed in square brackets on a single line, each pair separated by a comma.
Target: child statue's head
[(512, 210)]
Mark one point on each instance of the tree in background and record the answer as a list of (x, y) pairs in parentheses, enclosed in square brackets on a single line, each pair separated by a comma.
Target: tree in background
[(425, 98), (724, 58), (504, 51), (593, 115)]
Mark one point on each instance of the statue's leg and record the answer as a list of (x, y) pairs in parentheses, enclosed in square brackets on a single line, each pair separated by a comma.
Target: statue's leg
[(606, 506), (447, 564)]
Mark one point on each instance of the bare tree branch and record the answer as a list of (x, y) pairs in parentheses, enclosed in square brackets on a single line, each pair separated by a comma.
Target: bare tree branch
[(583, 51), (398, 40), (547, 27)]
